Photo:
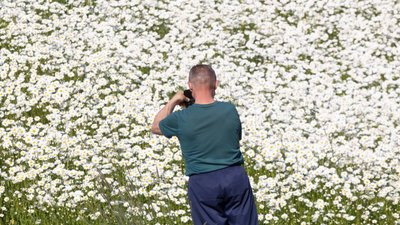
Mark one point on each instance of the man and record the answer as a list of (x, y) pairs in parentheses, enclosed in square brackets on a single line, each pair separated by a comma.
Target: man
[(209, 132)]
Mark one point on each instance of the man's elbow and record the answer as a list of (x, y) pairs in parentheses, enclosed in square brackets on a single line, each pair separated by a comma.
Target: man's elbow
[(155, 129)]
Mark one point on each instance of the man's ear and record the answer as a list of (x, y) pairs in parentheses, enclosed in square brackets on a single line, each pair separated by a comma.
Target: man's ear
[(190, 85), (216, 84)]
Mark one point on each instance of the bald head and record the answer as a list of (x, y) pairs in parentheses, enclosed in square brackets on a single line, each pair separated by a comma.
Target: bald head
[(202, 75)]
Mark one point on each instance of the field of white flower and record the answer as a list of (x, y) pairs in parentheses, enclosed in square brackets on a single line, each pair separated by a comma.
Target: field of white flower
[(316, 84)]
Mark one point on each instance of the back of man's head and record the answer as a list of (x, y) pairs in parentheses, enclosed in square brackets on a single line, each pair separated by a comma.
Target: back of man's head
[(202, 75)]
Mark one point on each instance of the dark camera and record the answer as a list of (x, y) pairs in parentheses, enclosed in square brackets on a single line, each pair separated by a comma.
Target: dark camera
[(189, 95)]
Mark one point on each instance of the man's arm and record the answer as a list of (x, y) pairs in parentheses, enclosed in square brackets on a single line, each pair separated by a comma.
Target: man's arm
[(166, 110)]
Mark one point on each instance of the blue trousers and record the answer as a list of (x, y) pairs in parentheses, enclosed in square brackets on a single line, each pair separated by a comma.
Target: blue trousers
[(222, 197)]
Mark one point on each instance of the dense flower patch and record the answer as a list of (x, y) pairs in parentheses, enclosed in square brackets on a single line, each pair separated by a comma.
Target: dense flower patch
[(316, 84)]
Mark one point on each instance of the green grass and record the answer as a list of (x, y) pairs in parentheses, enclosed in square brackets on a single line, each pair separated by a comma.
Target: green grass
[(116, 214)]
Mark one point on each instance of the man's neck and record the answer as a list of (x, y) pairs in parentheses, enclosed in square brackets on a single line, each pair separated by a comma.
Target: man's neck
[(203, 96)]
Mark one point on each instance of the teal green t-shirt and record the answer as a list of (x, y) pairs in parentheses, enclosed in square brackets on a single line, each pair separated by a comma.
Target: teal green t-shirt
[(208, 134)]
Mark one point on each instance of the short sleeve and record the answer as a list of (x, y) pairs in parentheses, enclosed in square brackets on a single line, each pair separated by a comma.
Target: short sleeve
[(169, 125)]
